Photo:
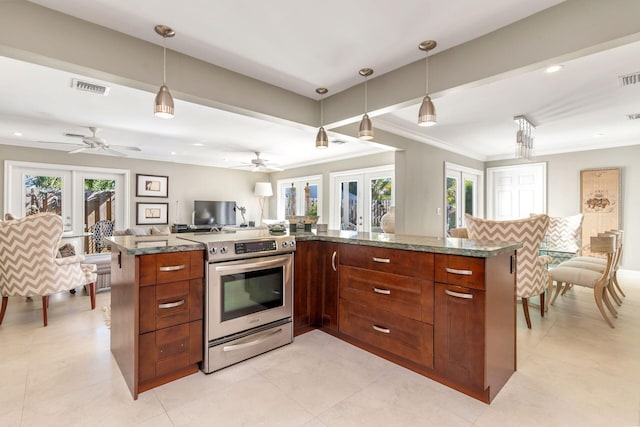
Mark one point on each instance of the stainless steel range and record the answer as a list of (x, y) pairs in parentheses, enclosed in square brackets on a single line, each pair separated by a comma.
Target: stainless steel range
[(248, 295)]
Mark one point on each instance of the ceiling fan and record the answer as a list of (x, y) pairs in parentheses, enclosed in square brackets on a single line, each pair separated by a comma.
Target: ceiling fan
[(261, 165), (96, 144)]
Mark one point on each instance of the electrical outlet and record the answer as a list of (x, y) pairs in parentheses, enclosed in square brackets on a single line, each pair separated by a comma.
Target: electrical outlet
[(438, 211)]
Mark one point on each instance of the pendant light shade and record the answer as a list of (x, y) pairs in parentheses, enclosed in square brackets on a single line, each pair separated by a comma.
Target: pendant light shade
[(366, 128), (427, 113), (322, 141), (164, 101)]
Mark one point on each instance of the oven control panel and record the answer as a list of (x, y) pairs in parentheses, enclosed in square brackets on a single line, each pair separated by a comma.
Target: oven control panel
[(219, 251)]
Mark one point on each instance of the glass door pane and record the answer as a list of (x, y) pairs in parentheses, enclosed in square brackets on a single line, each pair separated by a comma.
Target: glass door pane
[(452, 202), (380, 201), (99, 212), (350, 205)]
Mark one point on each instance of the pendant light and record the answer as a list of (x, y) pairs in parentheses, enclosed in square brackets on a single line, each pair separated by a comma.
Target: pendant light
[(427, 114), (322, 141), (164, 100), (366, 129)]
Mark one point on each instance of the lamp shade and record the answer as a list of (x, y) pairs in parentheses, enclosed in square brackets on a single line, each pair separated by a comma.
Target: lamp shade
[(164, 103), (322, 141), (427, 114), (366, 129), (263, 189)]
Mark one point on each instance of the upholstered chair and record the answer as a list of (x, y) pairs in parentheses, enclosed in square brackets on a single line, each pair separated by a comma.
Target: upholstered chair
[(460, 233), (565, 233), (30, 266), (582, 274), (100, 230), (532, 277)]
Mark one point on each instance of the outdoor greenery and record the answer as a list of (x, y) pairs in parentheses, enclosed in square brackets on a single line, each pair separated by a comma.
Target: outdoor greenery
[(99, 184)]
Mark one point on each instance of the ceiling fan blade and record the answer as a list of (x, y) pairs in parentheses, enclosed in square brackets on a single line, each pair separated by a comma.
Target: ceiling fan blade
[(112, 152), (74, 135), (125, 147)]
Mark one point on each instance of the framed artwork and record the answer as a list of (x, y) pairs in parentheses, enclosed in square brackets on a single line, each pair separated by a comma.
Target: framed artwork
[(152, 186), (152, 213), (599, 202)]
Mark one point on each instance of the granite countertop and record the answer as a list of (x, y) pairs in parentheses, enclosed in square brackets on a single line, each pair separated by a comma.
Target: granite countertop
[(449, 245), (154, 244)]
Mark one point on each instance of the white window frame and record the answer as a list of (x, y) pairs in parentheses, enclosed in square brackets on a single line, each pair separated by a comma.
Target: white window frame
[(363, 176), (299, 184), (541, 170), (73, 187)]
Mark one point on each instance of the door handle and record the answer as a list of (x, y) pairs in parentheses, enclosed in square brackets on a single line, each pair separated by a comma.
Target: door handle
[(333, 260), (171, 304), (381, 260), (173, 268), (382, 291), (381, 329), (461, 272), (458, 294)]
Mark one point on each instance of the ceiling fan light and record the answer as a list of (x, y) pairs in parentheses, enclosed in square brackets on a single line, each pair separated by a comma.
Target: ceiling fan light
[(322, 141), (366, 129), (427, 113), (164, 103)]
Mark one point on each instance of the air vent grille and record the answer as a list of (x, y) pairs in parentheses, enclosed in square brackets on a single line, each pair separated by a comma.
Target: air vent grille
[(629, 79), (90, 87), (635, 116)]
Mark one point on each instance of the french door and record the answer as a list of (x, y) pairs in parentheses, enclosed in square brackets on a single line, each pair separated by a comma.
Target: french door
[(463, 194)]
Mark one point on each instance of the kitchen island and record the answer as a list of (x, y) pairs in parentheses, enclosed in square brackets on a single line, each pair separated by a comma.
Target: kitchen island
[(444, 308)]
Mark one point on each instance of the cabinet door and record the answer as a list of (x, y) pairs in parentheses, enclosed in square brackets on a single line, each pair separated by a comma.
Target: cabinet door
[(305, 274), (459, 334), (329, 295)]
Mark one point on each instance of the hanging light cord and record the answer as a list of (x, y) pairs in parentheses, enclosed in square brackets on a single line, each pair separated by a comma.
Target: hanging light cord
[(321, 110), (426, 73), (365, 94), (164, 60)]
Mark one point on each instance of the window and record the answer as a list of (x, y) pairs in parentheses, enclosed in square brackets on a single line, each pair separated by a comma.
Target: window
[(359, 198), (81, 195), (463, 194), (294, 200)]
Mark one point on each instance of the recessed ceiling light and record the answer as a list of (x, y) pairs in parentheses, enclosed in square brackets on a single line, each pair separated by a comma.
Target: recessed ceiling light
[(198, 144), (553, 69), (173, 153), (17, 133)]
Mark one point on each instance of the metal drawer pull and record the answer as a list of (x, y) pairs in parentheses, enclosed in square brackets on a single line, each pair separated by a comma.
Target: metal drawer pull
[(171, 304), (382, 260), (379, 329), (458, 294), (173, 267), (462, 272), (333, 261), (382, 291), (252, 342)]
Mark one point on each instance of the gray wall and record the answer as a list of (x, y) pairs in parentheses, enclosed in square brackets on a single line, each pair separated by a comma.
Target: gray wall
[(563, 188), (186, 182)]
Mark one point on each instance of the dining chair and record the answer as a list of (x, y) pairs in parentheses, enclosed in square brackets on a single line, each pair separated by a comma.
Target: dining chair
[(30, 265), (532, 277), (565, 275)]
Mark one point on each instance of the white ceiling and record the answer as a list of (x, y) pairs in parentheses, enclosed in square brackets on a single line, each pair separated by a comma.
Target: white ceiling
[(303, 45)]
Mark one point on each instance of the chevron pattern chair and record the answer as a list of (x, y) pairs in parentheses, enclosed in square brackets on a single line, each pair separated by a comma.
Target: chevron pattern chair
[(28, 249), (532, 278)]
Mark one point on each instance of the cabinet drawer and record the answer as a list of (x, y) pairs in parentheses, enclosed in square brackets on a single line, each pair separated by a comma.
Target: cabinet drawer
[(404, 337), (170, 304), (171, 267), (406, 296), (169, 350), (395, 261), (460, 270)]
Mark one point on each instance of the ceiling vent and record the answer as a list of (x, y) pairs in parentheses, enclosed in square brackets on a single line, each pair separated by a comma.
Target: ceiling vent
[(635, 116), (90, 87), (629, 79)]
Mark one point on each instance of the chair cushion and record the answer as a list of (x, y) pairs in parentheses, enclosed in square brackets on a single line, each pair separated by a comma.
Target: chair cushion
[(575, 276), (565, 232), (583, 264)]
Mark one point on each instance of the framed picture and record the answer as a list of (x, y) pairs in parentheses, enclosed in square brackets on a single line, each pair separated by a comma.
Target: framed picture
[(152, 213), (599, 202), (152, 186)]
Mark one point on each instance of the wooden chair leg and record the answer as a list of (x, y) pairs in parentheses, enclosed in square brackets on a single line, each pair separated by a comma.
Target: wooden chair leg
[(542, 306), (559, 286), (92, 294), (607, 302), (549, 292), (45, 304), (525, 307), (598, 297), (5, 300), (614, 295), (616, 284)]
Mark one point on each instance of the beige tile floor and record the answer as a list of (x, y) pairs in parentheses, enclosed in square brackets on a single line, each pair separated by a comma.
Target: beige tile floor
[(573, 370)]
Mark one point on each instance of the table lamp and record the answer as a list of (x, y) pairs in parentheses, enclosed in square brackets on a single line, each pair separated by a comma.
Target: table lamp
[(261, 191)]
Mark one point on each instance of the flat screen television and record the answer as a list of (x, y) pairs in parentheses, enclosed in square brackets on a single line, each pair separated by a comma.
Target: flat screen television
[(214, 213)]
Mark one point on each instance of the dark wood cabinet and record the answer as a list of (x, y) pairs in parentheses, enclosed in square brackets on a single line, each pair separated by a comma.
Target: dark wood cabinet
[(157, 323), (316, 286)]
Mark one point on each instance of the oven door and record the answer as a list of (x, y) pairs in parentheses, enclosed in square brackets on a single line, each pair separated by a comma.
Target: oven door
[(248, 293)]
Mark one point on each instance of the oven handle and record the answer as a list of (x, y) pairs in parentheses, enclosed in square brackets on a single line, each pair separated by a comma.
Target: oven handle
[(249, 266), (256, 341)]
